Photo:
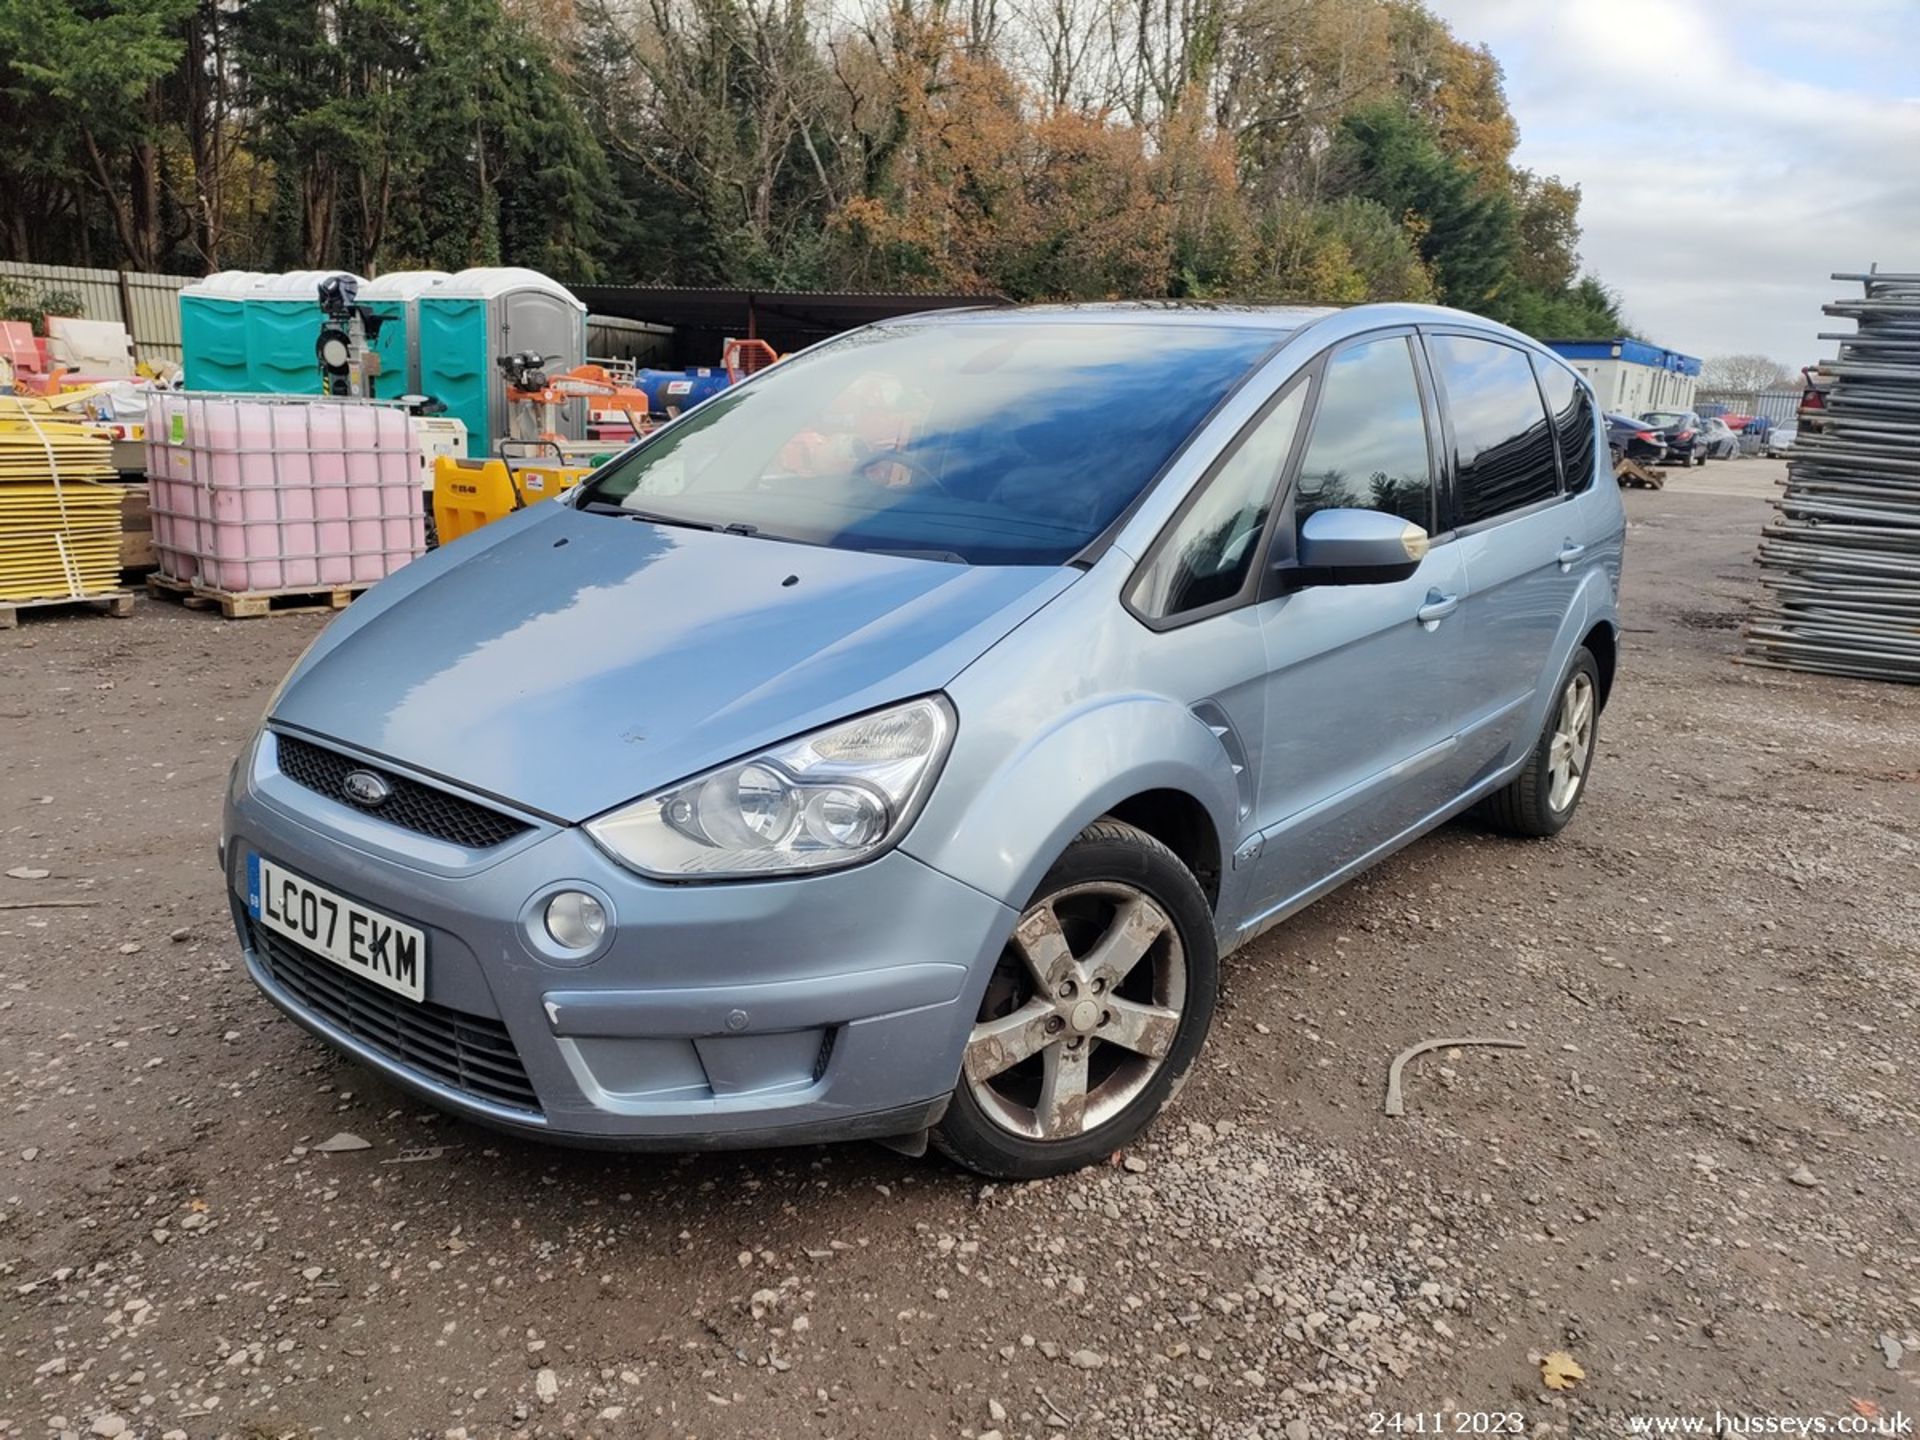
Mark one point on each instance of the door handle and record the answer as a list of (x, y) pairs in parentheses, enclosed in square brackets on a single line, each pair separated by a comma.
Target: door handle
[(1437, 608), (1570, 551)]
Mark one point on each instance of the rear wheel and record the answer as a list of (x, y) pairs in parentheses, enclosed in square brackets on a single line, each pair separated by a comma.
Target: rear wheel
[(1542, 798), (1099, 1004)]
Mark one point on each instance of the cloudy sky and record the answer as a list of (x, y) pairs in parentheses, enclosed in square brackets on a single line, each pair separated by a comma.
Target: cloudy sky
[(1730, 156)]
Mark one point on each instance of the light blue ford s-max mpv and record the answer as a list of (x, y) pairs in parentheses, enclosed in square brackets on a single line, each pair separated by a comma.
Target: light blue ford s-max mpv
[(891, 746)]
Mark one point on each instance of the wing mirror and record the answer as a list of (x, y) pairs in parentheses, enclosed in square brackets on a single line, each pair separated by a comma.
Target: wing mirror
[(1354, 547)]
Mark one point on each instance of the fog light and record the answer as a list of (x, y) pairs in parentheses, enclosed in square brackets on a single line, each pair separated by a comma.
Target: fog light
[(576, 921)]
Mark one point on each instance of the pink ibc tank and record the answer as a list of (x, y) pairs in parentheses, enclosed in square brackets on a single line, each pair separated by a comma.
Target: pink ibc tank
[(253, 494)]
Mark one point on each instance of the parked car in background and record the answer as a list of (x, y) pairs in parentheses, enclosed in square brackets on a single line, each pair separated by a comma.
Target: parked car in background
[(1679, 431), (1635, 439), (891, 745), (1780, 439), (1717, 440), (1813, 399)]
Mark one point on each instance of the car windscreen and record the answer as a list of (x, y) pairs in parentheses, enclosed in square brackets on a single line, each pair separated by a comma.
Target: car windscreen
[(1011, 442), (1664, 417)]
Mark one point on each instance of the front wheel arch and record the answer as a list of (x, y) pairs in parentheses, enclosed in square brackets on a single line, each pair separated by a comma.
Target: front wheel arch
[(1140, 757)]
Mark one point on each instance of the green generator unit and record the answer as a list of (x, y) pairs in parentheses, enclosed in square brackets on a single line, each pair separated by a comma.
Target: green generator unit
[(395, 299), (466, 323)]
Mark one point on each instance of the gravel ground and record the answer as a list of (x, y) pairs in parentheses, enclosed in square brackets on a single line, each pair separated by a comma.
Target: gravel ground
[(1698, 1179)]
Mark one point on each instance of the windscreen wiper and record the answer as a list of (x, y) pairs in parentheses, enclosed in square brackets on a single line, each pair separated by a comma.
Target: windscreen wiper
[(948, 557), (607, 507)]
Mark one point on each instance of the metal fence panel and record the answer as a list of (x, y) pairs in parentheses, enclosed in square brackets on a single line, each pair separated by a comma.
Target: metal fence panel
[(147, 304), (1782, 407)]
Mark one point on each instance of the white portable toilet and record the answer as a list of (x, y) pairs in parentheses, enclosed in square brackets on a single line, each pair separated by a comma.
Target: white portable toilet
[(469, 321)]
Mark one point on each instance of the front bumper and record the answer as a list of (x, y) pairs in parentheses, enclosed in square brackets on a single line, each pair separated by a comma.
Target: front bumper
[(761, 1013)]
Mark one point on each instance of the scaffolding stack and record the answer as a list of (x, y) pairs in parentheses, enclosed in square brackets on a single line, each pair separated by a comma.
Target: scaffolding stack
[(59, 523), (1840, 564)]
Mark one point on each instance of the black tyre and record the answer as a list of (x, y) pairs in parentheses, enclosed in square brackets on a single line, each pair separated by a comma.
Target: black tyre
[(1542, 798), (1100, 1002)]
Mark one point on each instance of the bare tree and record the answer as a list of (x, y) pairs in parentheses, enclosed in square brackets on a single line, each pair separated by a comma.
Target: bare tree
[(1745, 372), (722, 95)]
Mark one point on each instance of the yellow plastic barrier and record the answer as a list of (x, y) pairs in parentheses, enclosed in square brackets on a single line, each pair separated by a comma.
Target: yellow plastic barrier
[(470, 493)]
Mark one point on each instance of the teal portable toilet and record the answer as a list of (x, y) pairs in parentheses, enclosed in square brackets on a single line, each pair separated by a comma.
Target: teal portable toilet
[(283, 318), (395, 299), (213, 331), (469, 321)]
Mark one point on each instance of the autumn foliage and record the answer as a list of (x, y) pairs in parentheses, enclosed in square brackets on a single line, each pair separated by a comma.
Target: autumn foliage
[(1335, 150)]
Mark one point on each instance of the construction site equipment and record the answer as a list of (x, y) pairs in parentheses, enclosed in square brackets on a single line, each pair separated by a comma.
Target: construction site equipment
[(470, 493), (59, 525), (741, 358), (284, 321), (1840, 565), (539, 397), (439, 435), (348, 366), (467, 322), (260, 495), (538, 460), (669, 392)]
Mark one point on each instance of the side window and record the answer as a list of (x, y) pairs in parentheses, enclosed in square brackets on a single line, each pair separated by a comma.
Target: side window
[(1368, 447), (1572, 412), (1210, 551), (1502, 444)]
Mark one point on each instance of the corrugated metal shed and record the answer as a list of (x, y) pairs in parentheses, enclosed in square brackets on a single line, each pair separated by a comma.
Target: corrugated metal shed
[(147, 304), (703, 317)]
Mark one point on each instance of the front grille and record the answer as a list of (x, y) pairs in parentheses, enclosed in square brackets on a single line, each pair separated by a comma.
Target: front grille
[(469, 1053), (412, 806)]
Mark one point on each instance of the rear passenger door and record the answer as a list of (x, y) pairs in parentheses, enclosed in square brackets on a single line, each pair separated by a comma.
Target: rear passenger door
[(1516, 534)]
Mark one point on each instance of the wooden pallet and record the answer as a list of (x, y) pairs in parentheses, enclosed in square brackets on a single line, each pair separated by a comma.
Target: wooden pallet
[(1633, 473), (114, 602), (252, 604)]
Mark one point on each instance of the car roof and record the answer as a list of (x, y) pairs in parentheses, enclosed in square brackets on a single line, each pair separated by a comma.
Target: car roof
[(1338, 321), (1280, 319)]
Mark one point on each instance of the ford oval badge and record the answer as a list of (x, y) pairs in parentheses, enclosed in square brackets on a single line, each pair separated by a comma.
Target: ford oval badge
[(365, 788)]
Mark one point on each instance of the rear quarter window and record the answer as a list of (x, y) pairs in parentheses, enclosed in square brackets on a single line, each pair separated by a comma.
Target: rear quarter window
[(1572, 411)]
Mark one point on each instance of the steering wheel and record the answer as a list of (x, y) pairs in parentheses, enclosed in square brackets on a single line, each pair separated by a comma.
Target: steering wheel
[(921, 473)]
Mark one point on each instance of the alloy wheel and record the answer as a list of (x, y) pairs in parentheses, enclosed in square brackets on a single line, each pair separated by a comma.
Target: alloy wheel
[(1080, 1014), (1572, 744)]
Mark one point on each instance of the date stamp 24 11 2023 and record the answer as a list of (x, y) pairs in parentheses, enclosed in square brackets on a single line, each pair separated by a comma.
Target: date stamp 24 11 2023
[(1447, 1422)]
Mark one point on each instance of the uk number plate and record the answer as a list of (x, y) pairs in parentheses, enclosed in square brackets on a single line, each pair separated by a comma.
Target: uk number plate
[(353, 936)]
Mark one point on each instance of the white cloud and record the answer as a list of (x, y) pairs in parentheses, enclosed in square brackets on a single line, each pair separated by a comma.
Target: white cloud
[(1729, 158)]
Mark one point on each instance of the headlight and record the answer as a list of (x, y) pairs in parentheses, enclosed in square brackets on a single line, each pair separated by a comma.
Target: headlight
[(830, 798)]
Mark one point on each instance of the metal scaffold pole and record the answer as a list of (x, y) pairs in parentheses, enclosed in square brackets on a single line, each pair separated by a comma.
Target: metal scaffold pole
[(1840, 564)]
